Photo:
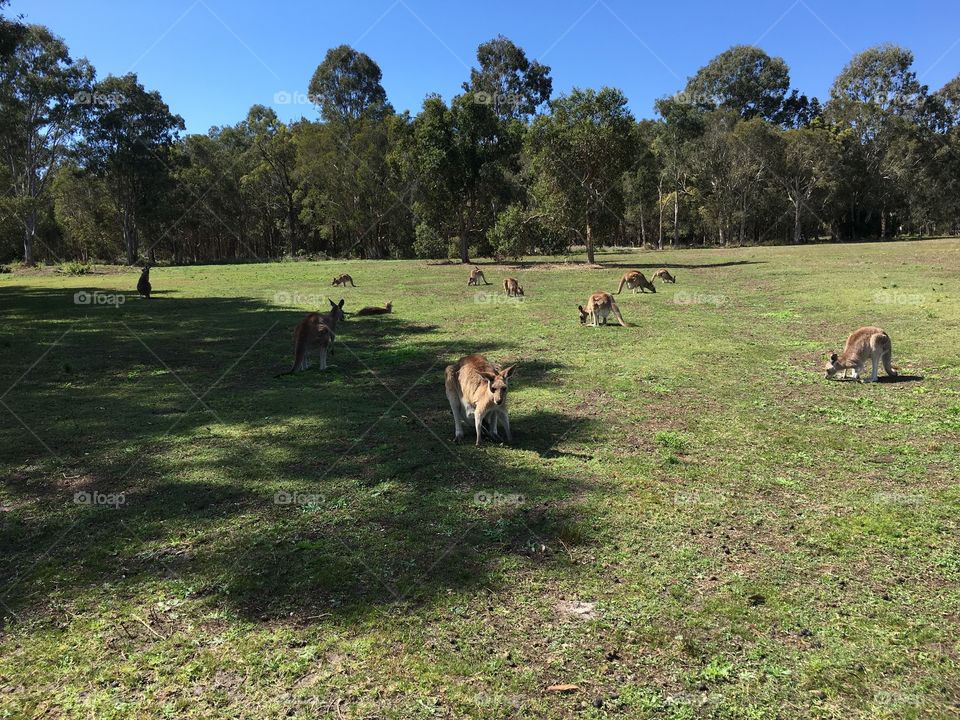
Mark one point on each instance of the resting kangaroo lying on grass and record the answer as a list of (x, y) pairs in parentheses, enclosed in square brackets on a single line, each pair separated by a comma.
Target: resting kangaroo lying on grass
[(478, 389), (867, 343)]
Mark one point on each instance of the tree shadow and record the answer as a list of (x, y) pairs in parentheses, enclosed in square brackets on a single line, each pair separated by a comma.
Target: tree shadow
[(331, 491)]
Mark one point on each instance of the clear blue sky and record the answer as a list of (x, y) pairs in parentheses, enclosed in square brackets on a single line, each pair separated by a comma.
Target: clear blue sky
[(212, 59)]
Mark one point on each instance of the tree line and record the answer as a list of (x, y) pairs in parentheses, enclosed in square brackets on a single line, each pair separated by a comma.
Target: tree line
[(103, 169)]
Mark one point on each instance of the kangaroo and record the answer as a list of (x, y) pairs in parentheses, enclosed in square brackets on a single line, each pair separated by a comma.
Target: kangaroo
[(634, 279), (476, 275), (512, 288), (143, 284), (317, 331), (867, 343), (388, 308), (342, 280), (478, 389), (599, 306), (663, 274)]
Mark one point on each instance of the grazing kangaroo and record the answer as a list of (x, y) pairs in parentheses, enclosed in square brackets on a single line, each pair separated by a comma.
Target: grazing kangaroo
[(663, 274), (478, 389), (599, 306), (315, 331), (143, 284), (476, 275), (342, 280), (512, 288), (867, 343), (634, 279), (386, 310)]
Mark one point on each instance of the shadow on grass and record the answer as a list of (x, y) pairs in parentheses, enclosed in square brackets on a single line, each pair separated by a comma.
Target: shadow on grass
[(151, 443), (884, 379)]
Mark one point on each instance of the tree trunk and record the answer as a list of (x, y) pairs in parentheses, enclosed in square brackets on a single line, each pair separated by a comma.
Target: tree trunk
[(643, 229), (130, 237), (676, 216), (883, 223), (589, 241), (796, 222), (660, 218), (29, 229)]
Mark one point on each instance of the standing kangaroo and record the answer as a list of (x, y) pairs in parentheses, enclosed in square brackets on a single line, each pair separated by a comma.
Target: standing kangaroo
[(476, 275), (476, 388), (143, 284), (315, 331), (598, 307), (663, 274), (512, 288), (634, 279), (867, 343), (342, 280)]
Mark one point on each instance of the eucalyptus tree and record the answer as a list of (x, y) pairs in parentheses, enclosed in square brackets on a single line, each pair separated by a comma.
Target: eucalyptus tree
[(579, 154), (44, 95)]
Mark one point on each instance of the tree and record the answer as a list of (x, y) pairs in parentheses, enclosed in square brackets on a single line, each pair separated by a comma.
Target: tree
[(129, 143), (579, 154), (508, 81), (462, 158), (682, 124), (273, 171), (876, 96), (743, 79), (809, 161), (43, 95), (346, 86)]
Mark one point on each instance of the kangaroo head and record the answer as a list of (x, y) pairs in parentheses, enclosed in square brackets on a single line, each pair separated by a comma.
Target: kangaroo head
[(497, 384), (583, 314), (832, 367), (389, 307), (336, 310), (520, 290)]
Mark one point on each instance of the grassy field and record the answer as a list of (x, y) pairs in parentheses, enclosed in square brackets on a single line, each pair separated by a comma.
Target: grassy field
[(691, 522)]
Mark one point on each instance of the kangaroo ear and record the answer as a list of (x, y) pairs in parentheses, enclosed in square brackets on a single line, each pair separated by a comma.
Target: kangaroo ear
[(332, 303), (340, 304), (508, 371), (833, 357), (488, 376), (580, 308)]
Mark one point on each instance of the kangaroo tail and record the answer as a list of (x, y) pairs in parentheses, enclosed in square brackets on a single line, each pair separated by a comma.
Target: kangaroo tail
[(623, 281), (617, 315)]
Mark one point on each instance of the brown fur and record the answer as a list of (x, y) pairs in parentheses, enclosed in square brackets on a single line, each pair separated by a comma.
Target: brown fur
[(512, 288), (867, 343), (316, 331), (476, 275), (598, 307), (475, 387), (635, 279), (663, 274), (342, 280), (143, 284), (386, 310)]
